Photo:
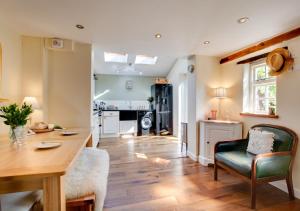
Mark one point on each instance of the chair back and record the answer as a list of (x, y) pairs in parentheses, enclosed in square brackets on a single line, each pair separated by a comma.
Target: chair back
[(284, 140)]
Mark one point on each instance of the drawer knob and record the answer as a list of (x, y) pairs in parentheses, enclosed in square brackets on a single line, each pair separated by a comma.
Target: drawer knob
[(208, 142)]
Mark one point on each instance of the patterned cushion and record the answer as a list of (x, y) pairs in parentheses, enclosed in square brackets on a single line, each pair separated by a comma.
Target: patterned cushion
[(260, 141)]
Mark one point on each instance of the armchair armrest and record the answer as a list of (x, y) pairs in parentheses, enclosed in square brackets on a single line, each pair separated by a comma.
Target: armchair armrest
[(271, 164), (225, 146)]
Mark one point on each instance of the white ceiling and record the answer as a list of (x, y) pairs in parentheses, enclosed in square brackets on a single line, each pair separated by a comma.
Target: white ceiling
[(129, 25)]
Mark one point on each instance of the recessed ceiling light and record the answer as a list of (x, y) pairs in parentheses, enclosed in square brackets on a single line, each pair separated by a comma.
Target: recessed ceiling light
[(206, 42), (78, 26), (115, 57), (141, 59), (158, 35), (242, 20), (141, 73)]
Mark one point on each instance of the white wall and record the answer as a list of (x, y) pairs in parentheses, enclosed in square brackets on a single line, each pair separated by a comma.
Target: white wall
[(200, 86), (288, 99), (116, 84), (176, 76), (61, 81), (11, 67), (69, 86)]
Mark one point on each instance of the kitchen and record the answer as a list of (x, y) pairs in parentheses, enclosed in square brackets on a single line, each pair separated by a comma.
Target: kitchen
[(130, 105)]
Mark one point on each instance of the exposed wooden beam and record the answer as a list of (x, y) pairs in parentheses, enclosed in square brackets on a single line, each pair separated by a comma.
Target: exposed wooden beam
[(255, 58), (278, 39)]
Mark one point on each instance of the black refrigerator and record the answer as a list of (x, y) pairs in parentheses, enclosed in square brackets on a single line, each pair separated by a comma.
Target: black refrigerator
[(163, 108)]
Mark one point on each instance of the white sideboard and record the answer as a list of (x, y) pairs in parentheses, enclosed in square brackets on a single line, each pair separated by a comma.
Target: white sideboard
[(213, 131), (110, 124)]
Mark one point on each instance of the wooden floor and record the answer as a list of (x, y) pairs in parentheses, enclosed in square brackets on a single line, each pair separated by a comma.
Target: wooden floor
[(150, 173)]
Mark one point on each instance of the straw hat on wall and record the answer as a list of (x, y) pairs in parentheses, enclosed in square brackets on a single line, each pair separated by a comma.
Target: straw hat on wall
[(279, 61)]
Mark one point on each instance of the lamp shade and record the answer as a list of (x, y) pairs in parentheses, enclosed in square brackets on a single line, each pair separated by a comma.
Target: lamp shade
[(220, 92), (32, 101)]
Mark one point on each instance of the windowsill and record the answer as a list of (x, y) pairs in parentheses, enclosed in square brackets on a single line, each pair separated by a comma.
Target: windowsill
[(260, 115)]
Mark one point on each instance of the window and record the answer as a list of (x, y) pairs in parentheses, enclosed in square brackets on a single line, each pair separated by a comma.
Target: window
[(115, 57), (262, 89), (140, 59)]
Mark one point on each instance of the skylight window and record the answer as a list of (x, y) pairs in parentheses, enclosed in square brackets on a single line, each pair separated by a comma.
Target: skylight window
[(140, 59), (115, 57)]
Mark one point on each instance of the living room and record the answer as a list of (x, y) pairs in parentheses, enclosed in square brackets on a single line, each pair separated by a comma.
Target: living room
[(233, 68)]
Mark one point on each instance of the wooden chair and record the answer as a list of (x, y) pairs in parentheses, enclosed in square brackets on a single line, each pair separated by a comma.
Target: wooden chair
[(277, 165), (86, 203), (184, 136)]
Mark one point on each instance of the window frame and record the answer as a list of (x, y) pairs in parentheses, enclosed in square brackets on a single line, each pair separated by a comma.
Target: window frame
[(253, 83)]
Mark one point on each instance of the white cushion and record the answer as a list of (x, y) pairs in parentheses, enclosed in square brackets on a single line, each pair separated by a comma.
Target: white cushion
[(260, 141), (88, 175)]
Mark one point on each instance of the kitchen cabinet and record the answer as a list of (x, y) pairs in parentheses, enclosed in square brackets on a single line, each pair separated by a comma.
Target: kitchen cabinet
[(213, 131), (110, 124)]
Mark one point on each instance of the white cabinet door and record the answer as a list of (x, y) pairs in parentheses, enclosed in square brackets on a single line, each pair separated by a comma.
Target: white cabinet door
[(110, 124), (215, 134), (211, 133)]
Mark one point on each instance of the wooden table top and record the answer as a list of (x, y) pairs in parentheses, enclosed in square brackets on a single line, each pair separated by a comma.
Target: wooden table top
[(26, 160)]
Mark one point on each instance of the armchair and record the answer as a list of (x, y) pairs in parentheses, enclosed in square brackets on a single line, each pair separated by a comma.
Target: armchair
[(277, 165)]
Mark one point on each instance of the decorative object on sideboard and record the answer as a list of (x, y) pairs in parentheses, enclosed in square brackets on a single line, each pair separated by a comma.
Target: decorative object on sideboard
[(129, 84), (213, 115), (219, 93), (16, 117), (279, 61), (161, 81)]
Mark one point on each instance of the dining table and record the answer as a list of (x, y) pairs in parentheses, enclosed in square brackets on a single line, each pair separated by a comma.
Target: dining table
[(27, 167)]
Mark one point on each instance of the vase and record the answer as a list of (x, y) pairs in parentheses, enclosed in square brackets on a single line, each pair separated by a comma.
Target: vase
[(18, 135)]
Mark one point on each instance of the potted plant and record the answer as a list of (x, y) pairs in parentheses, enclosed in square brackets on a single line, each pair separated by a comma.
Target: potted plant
[(16, 117), (150, 100), (272, 107)]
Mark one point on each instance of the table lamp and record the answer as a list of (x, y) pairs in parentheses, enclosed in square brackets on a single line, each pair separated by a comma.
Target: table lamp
[(34, 104)]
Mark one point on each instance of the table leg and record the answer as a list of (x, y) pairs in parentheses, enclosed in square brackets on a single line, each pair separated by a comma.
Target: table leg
[(54, 194), (90, 141)]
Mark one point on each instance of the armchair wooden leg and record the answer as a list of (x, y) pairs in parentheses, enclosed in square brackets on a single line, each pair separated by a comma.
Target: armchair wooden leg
[(216, 171), (289, 182), (253, 194)]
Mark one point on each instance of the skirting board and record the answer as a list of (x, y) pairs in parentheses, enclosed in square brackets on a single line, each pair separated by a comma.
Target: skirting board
[(282, 186), (192, 156), (204, 161)]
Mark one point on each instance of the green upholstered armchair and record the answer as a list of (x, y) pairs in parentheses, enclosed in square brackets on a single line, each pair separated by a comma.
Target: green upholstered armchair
[(277, 165)]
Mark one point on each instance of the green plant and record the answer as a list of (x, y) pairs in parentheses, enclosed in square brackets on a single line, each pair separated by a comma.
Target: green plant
[(150, 99), (14, 115)]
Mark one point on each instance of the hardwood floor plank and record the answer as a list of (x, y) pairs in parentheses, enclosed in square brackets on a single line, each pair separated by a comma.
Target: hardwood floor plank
[(151, 173)]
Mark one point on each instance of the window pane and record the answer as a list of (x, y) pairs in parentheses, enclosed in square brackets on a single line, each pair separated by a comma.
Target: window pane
[(260, 92), (260, 73), (272, 91), (260, 106), (260, 101)]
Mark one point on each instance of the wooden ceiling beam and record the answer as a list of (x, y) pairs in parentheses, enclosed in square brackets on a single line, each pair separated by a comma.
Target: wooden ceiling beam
[(262, 45)]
